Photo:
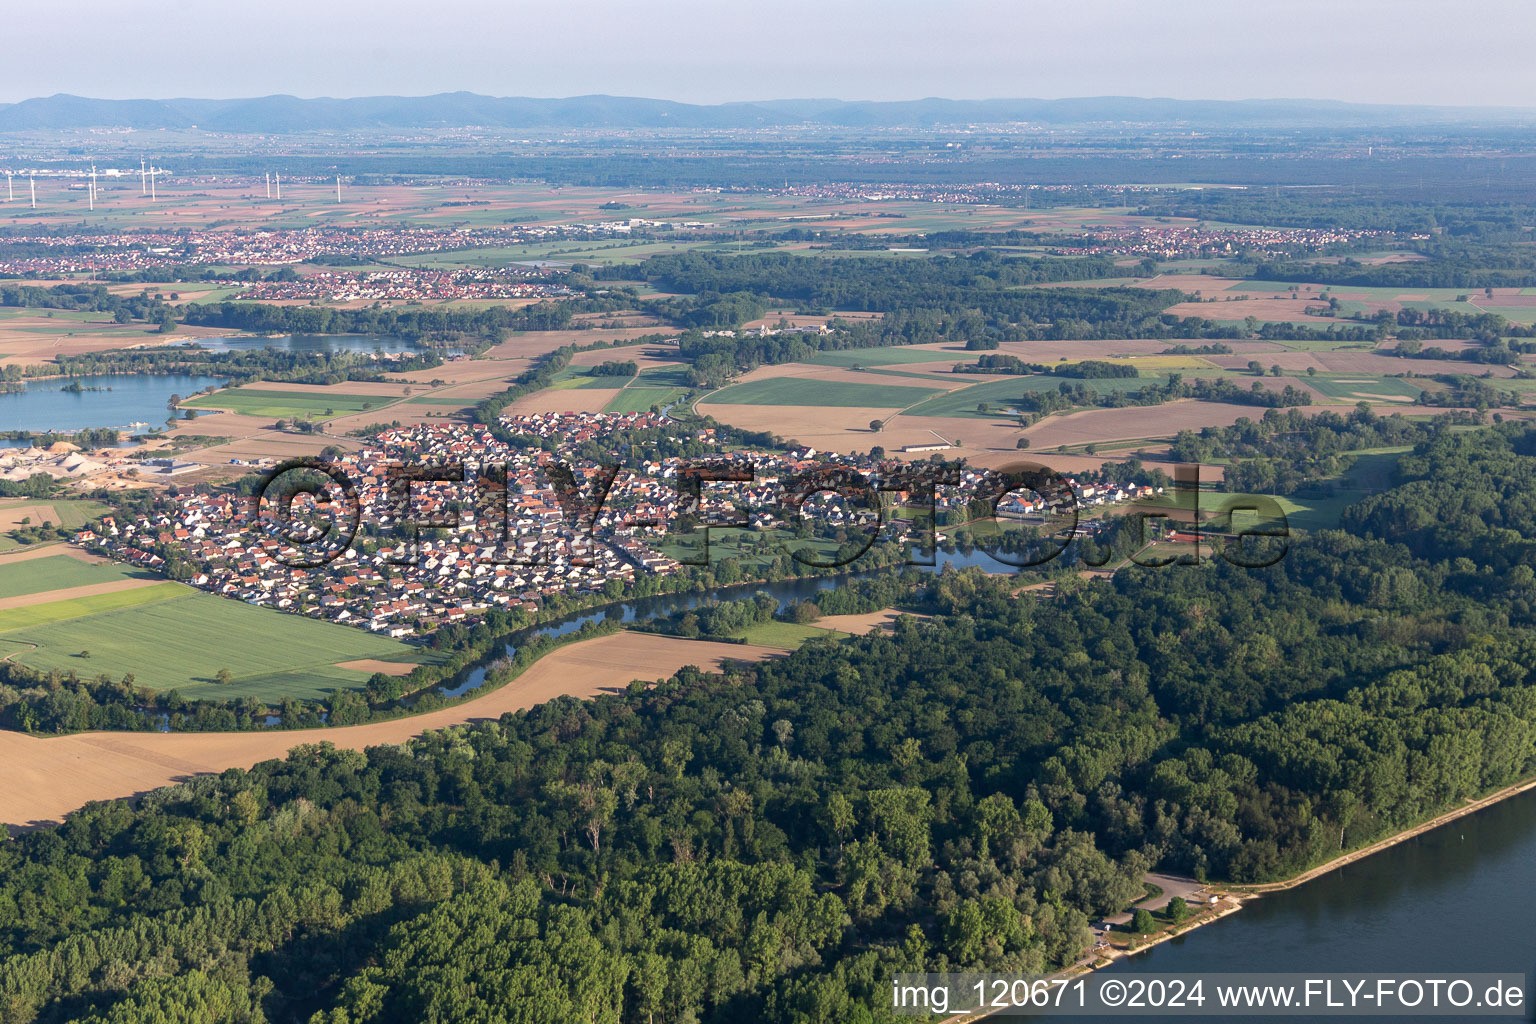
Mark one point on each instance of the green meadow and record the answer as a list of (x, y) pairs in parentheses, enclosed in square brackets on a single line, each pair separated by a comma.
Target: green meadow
[(170, 637)]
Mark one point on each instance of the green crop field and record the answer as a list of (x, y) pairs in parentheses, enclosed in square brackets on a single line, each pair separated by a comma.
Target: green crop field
[(56, 572), (1350, 387), (663, 377), (785, 634), (74, 514), (809, 391), (257, 402), (52, 612), (69, 319), (1001, 393), (71, 514), (182, 639), (1514, 314), (583, 377), (889, 356), (636, 399)]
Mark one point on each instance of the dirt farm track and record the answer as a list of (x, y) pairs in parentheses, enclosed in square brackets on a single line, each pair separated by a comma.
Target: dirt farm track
[(47, 777)]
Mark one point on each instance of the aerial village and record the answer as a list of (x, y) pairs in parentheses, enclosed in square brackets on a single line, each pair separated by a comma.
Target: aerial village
[(398, 576)]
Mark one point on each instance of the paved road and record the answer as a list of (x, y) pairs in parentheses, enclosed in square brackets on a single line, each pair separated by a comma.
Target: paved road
[(1172, 885)]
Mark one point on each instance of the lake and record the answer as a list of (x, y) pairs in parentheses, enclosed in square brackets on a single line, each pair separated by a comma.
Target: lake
[(110, 400)]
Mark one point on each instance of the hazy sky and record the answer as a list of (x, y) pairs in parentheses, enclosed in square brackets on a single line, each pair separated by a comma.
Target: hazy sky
[(1393, 51)]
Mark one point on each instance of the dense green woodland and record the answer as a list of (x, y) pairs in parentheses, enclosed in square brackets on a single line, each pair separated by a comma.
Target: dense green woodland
[(770, 845), (405, 322), (1492, 215), (1288, 452)]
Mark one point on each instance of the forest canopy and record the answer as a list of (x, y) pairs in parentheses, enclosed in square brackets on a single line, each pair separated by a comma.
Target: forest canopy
[(970, 790)]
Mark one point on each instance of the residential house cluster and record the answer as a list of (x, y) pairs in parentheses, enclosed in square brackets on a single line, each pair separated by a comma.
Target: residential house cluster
[(501, 534)]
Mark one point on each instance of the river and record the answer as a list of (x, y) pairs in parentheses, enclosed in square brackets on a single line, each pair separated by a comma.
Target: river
[(786, 592), (1457, 898)]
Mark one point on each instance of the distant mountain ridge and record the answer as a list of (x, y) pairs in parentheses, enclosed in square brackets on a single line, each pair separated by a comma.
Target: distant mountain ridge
[(281, 114)]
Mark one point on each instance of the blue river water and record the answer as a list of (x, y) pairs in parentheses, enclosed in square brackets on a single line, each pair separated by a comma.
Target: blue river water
[(1457, 898), (786, 592)]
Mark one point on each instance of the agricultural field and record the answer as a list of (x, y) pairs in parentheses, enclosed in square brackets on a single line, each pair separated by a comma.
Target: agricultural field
[(813, 392), (68, 513), (585, 377), (287, 404), (169, 637), (888, 356), (788, 635), (51, 613), (642, 399), (29, 336), (999, 393), (312, 203), (54, 775), (56, 572), (1352, 389)]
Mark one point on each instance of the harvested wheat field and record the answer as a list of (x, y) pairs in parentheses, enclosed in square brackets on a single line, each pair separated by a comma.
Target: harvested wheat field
[(562, 400), (533, 343), (71, 593), (469, 392), (1360, 361), (11, 516), (48, 550), (37, 339), (645, 357), (861, 623), (269, 444), (1264, 309), (1099, 425), (48, 778), (818, 426), (388, 668), (215, 423), (406, 413), (463, 371)]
